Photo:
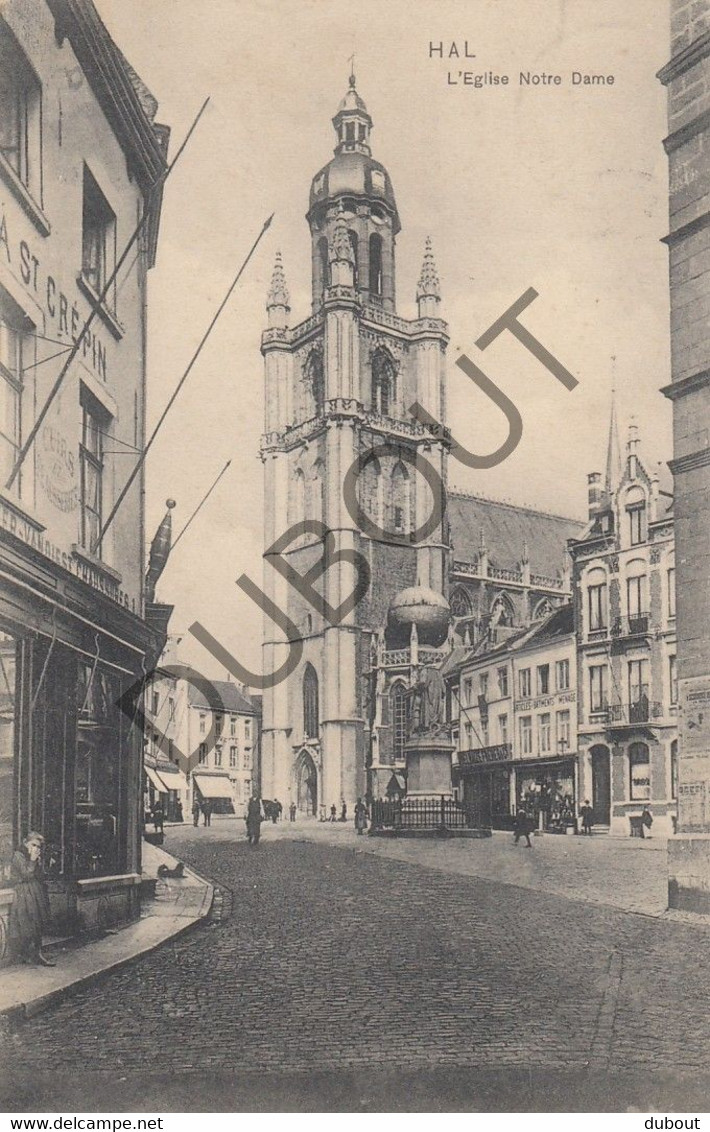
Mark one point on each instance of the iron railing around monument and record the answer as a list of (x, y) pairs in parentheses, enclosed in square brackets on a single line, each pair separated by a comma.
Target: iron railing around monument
[(425, 813)]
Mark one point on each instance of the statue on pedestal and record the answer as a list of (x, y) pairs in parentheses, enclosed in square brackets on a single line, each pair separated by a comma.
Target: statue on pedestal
[(427, 715)]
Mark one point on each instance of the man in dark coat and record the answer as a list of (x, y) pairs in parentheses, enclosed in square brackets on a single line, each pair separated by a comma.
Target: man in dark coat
[(29, 911), (254, 819), (522, 826), (196, 812)]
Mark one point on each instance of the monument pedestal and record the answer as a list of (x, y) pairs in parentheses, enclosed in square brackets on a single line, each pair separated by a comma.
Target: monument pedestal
[(429, 767)]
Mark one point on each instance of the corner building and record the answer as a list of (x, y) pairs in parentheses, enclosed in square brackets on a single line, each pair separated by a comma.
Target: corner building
[(338, 387)]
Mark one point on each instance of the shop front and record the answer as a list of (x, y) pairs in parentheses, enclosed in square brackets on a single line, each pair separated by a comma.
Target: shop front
[(548, 790), (483, 781), (215, 789), (70, 751)]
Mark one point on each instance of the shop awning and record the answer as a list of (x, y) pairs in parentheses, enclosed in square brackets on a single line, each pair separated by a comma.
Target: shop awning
[(214, 786), (169, 772), (156, 780)]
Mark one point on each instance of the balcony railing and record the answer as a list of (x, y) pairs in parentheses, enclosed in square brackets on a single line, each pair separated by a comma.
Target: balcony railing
[(637, 624), (642, 710)]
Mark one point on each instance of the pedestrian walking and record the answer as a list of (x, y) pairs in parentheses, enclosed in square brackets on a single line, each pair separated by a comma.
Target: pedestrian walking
[(179, 816), (196, 810), (522, 826), (254, 819), (360, 817), (587, 818), (276, 809), (207, 812), (158, 817), (29, 911), (344, 812), (333, 812), (646, 821), (292, 811)]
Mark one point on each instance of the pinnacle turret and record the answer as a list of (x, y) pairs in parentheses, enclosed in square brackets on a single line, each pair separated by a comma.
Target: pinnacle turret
[(428, 287), (278, 295)]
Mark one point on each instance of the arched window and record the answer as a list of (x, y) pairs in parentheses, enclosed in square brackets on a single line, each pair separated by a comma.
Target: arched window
[(314, 379), (375, 264), (597, 599), (383, 383), (353, 244), (635, 504), (372, 495), (310, 703), (637, 594), (398, 711), (674, 769), (350, 131), (317, 493), (324, 264), (639, 773), (542, 609), (460, 603), (502, 612), (399, 495), (299, 496)]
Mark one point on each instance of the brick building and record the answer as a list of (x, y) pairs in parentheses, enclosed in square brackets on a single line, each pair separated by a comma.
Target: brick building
[(687, 79)]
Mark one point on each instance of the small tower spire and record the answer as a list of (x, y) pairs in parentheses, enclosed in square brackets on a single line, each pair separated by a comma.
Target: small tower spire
[(428, 287), (278, 298), (613, 451)]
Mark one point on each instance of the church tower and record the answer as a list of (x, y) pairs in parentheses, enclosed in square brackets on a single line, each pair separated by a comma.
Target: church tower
[(338, 392)]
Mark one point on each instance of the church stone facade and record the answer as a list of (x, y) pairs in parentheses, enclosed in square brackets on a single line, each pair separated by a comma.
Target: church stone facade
[(338, 391)]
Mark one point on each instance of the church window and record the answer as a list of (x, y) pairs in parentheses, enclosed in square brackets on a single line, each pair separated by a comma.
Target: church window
[(542, 609), (400, 499), (375, 264), (383, 383), (460, 603), (315, 385), (350, 131), (324, 265), (502, 611), (310, 703), (353, 244), (636, 516), (299, 496), (362, 132), (372, 491), (398, 704)]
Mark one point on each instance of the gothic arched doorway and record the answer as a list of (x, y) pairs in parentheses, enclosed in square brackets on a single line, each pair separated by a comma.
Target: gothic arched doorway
[(307, 785), (601, 784)]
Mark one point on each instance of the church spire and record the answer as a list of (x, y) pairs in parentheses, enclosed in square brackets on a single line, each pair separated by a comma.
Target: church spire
[(613, 452), (352, 123), (428, 287), (278, 298)]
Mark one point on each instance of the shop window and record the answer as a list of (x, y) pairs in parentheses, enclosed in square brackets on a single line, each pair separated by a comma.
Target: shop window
[(20, 115), (202, 754), (502, 682), (310, 703), (97, 774), (639, 773), (8, 708), (92, 470), (543, 679), (673, 679), (526, 735), (375, 264), (525, 683), (597, 687), (674, 769), (11, 373), (544, 732), (98, 247), (563, 732), (398, 709), (562, 675), (232, 758)]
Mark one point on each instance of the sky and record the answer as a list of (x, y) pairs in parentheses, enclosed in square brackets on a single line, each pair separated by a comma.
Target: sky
[(558, 187)]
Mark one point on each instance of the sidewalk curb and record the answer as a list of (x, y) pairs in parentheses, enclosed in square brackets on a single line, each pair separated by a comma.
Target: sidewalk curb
[(13, 1016)]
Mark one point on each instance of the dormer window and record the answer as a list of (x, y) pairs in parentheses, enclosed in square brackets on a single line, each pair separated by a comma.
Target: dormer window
[(636, 516)]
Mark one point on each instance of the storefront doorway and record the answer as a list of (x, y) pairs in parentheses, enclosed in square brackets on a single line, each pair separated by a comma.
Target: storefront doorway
[(307, 786), (601, 785)]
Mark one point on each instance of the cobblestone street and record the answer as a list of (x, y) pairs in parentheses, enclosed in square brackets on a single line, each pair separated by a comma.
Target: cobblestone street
[(342, 978)]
